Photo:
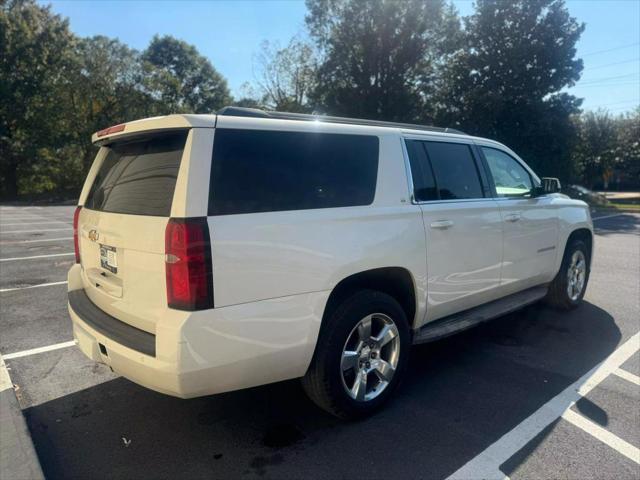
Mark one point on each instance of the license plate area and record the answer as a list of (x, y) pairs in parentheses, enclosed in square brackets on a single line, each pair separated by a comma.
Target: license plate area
[(109, 258)]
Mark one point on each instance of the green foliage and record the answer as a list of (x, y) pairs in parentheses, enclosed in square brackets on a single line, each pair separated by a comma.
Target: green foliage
[(181, 79), (498, 73), (106, 90), (379, 56), (35, 57), (505, 82), (57, 89), (607, 144)]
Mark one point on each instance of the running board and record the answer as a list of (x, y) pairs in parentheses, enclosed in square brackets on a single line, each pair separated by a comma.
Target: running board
[(457, 322)]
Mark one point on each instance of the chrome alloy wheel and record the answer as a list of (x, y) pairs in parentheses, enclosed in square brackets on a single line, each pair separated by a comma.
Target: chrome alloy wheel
[(576, 275), (370, 357)]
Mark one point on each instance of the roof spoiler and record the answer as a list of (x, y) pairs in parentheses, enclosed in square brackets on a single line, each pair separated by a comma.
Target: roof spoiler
[(258, 113)]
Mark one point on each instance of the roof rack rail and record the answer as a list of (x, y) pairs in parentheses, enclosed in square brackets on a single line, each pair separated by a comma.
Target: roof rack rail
[(256, 112)]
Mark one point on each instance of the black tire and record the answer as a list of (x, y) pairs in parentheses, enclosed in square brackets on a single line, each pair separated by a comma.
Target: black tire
[(558, 296), (323, 381)]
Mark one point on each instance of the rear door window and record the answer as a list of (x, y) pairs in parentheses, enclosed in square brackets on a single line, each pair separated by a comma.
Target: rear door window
[(138, 177), (268, 171), (455, 170)]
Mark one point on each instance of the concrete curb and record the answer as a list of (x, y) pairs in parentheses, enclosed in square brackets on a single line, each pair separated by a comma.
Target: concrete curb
[(18, 459)]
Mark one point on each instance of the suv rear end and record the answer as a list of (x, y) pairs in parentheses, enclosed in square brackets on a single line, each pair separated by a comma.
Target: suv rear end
[(141, 293), (126, 308)]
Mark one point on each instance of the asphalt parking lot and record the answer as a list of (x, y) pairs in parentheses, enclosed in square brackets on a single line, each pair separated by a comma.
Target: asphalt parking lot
[(535, 394)]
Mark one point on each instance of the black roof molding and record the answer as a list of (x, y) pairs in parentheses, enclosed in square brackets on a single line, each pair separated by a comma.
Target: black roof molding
[(257, 113)]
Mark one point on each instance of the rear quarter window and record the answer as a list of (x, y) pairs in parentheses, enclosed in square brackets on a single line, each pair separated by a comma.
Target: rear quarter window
[(138, 177), (267, 171)]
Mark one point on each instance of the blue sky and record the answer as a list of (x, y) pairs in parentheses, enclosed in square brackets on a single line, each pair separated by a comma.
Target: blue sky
[(229, 33)]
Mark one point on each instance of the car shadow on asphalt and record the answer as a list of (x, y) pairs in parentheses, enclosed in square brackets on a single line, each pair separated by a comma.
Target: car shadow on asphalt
[(622, 223), (460, 395)]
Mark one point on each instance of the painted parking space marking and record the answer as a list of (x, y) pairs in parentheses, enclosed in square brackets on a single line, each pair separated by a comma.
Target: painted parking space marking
[(486, 465), (628, 376), (35, 351), (40, 285), (15, 242), (34, 223), (5, 380), (37, 256), (38, 230), (603, 435)]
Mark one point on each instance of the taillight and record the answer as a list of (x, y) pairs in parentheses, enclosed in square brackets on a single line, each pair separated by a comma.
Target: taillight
[(76, 246), (188, 264)]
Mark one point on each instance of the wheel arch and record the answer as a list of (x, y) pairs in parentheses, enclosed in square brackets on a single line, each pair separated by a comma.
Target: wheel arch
[(398, 282), (584, 234)]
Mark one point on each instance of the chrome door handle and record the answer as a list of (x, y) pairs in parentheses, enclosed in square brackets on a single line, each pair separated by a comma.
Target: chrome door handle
[(512, 217), (442, 224)]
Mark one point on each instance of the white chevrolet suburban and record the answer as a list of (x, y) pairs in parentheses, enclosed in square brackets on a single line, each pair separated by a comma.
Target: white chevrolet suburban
[(219, 252)]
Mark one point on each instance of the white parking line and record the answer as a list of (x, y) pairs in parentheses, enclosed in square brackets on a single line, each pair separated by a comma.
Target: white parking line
[(486, 464), (630, 377), (5, 380), (34, 223), (603, 435), (39, 230), (13, 289), (34, 351), (15, 242), (36, 256)]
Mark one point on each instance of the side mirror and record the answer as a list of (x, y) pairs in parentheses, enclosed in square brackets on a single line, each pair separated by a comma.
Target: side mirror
[(549, 185)]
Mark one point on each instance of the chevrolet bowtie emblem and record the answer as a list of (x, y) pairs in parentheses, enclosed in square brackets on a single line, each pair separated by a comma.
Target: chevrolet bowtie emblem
[(93, 235)]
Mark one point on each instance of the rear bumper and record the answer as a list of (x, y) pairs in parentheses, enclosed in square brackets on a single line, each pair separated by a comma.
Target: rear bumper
[(204, 352)]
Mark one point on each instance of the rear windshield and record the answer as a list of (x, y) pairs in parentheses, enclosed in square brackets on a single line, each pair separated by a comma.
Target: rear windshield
[(268, 171), (138, 177)]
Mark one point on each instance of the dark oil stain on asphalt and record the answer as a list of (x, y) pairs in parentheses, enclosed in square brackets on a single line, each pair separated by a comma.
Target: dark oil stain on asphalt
[(259, 464), (278, 436), (282, 435), (81, 410)]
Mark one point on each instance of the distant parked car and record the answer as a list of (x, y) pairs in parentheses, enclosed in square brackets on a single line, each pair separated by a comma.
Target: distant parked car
[(219, 252), (579, 192)]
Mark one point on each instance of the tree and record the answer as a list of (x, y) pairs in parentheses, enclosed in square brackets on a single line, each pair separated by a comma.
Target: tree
[(628, 146), (106, 90), (36, 53), (286, 75), (506, 81), (378, 58), (595, 153), (181, 79)]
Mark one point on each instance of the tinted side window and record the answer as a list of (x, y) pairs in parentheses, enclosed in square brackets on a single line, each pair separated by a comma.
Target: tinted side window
[(455, 170), (510, 178), (138, 177), (268, 171), (424, 185)]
